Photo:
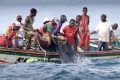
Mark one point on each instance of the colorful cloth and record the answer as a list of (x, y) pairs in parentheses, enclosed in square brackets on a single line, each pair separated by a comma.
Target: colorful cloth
[(56, 28), (27, 40), (10, 34), (49, 28), (27, 31), (84, 40), (84, 30)]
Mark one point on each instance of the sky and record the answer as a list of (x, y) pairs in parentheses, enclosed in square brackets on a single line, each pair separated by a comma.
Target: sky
[(54, 8)]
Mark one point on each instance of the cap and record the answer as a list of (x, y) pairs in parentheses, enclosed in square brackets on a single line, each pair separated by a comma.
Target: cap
[(17, 24), (55, 20), (19, 16), (45, 20)]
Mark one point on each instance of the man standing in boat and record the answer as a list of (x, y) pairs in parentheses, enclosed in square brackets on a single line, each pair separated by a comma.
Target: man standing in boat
[(103, 28), (29, 31), (84, 30)]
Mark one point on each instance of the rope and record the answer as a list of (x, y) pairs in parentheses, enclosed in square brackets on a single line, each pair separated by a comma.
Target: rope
[(44, 55), (42, 50)]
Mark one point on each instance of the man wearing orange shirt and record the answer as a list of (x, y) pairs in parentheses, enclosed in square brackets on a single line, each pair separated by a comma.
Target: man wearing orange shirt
[(69, 32), (6, 38)]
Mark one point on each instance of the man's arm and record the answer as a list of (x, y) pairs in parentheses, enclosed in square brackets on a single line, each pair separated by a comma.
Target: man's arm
[(110, 36), (88, 20), (6, 39), (93, 32), (16, 42), (27, 22), (57, 28)]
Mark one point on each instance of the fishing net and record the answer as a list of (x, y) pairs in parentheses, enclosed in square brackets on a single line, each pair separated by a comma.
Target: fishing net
[(66, 51)]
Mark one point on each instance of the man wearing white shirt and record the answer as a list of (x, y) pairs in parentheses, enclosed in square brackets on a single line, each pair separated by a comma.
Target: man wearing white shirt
[(103, 29)]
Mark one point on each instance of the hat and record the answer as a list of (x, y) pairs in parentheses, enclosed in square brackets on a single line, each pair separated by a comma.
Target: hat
[(17, 24), (55, 20), (19, 16), (45, 20)]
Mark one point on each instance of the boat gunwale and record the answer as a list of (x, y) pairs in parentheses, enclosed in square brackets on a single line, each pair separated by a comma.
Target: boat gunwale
[(29, 52), (111, 52)]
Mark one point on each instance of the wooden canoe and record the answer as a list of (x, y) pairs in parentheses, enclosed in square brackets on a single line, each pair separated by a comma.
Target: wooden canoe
[(11, 55)]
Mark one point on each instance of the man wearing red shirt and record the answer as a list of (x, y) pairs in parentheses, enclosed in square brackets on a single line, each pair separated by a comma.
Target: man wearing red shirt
[(69, 32)]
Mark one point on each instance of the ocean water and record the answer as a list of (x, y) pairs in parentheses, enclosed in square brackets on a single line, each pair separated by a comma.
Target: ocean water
[(107, 69)]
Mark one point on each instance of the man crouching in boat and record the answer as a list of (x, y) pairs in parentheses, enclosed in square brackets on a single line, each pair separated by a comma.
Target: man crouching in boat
[(46, 40), (6, 38), (18, 40)]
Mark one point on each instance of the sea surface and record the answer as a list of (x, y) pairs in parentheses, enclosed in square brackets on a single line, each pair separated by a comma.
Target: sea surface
[(106, 69)]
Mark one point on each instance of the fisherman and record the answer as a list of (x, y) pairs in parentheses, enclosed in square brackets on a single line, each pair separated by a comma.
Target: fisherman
[(77, 23), (20, 34), (6, 38), (46, 40), (29, 31), (69, 32), (84, 30), (59, 23), (103, 28), (19, 19)]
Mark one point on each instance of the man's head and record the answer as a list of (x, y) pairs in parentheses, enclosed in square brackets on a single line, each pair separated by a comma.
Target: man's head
[(103, 18), (85, 10), (19, 18), (33, 12), (54, 21), (63, 18), (72, 22), (45, 20), (115, 26), (78, 17), (16, 26)]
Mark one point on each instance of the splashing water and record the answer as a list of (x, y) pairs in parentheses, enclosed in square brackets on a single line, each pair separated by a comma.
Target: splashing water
[(68, 55)]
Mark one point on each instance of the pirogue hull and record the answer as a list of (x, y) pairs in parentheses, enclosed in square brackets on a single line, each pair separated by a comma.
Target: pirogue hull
[(11, 55)]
